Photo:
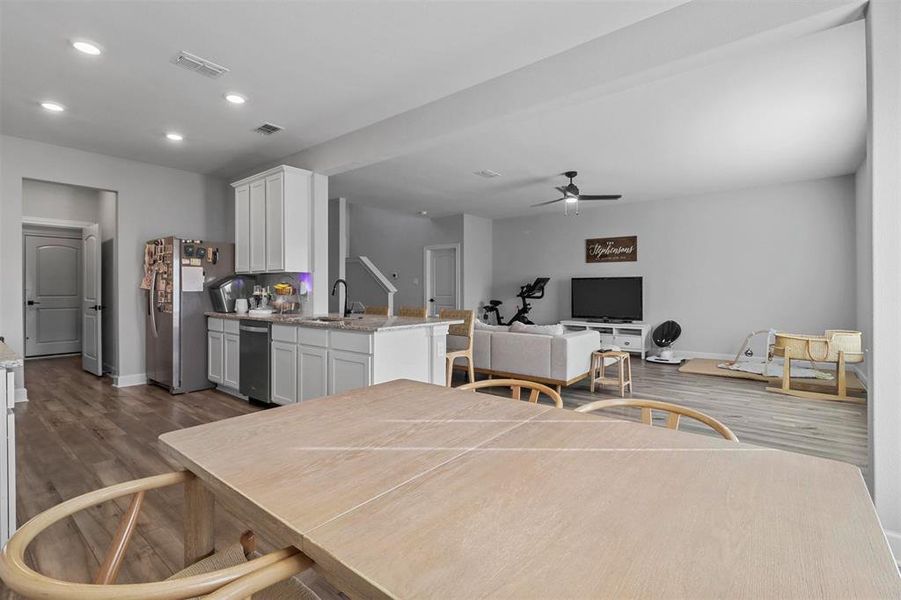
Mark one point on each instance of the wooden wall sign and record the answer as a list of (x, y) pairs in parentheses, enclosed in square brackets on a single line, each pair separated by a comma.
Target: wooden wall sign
[(618, 249)]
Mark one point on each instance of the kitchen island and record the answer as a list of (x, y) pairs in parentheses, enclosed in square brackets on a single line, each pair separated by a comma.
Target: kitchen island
[(9, 362), (317, 356)]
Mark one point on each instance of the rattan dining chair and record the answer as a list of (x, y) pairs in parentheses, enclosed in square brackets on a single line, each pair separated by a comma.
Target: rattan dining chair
[(419, 312), (459, 343), (201, 578), (674, 411), (516, 386)]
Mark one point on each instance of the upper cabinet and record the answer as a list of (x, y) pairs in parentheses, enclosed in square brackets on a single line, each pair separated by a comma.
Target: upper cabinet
[(273, 221)]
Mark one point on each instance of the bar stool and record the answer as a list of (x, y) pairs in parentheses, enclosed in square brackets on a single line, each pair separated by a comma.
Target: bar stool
[(599, 363)]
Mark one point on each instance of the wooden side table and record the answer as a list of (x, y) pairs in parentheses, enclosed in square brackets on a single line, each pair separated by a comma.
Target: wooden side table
[(599, 368)]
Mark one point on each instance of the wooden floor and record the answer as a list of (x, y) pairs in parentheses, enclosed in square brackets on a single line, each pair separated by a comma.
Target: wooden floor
[(78, 433)]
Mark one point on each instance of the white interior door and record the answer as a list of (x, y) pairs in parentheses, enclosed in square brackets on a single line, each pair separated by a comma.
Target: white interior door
[(52, 295), (91, 323), (442, 278)]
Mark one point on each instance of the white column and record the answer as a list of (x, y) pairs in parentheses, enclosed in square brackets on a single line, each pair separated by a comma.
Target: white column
[(884, 152)]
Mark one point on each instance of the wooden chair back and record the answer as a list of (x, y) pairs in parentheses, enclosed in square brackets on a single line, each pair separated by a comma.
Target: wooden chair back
[(22, 579), (376, 310), (463, 329), (419, 312), (674, 412), (516, 386)]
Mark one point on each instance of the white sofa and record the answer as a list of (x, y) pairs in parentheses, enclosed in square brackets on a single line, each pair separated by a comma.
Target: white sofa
[(558, 360)]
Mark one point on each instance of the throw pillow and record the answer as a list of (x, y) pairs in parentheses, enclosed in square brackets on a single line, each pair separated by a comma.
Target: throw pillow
[(518, 327), (486, 327)]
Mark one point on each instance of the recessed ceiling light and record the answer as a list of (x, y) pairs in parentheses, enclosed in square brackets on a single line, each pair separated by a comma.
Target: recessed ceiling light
[(174, 137), (235, 98), (87, 47), (487, 173), (423, 212), (53, 106)]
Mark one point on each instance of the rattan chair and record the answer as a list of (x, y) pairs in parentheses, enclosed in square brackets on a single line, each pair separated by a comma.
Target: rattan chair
[(419, 312), (462, 330), (201, 578), (516, 385), (674, 411), (376, 310)]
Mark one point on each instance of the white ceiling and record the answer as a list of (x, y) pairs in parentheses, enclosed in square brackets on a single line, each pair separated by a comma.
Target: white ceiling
[(320, 69), (796, 111)]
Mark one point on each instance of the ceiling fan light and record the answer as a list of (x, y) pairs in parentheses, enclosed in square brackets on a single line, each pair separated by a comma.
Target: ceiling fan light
[(572, 199)]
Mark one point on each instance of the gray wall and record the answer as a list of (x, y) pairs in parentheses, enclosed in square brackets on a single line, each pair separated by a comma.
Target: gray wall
[(394, 241), (152, 201), (721, 264), (478, 263)]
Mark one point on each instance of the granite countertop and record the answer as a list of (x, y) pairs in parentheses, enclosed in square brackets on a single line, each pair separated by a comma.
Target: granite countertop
[(365, 323), (8, 358)]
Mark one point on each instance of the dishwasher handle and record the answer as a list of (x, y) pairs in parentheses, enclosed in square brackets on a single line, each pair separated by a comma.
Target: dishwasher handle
[(253, 329)]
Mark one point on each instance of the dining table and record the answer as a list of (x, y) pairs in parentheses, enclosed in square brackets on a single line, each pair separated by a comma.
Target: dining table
[(412, 490)]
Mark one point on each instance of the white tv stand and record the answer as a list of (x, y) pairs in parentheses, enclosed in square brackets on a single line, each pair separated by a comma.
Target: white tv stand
[(631, 337)]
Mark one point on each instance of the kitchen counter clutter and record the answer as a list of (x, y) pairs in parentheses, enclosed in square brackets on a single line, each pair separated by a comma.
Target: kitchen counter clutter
[(8, 358), (311, 357), (366, 323)]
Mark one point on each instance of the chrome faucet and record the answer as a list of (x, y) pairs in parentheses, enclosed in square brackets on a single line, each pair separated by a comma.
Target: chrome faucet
[(335, 291)]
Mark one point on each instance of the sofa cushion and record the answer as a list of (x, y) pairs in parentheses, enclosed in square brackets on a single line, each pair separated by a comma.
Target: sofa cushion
[(457, 342), (479, 326), (517, 327)]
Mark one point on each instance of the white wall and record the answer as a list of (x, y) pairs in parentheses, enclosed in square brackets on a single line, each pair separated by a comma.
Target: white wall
[(57, 201), (152, 201), (721, 264), (883, 175), (394, 241)]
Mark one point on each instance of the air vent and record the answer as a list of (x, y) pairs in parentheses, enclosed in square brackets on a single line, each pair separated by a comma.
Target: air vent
[(203, 66), (487, 173), (268, 129)]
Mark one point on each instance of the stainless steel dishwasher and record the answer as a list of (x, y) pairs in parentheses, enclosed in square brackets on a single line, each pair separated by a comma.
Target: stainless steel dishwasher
[(254, 369)]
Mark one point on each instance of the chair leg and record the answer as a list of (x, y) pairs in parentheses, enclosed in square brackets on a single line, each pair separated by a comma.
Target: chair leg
[(629, 372), (450, 370), (591, 372), (472, 372), (622, 378)]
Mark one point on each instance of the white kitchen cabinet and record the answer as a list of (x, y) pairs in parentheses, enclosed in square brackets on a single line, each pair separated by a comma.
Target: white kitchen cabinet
[(348, 371), (215, 352), (231, 359), (312, 371), (283, 356), (258, 226), (242, 228), (274, 230), (275, 223)]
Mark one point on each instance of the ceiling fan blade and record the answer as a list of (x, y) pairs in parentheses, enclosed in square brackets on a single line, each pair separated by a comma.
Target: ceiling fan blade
[(549, 202), (602, 197), (561, 189)]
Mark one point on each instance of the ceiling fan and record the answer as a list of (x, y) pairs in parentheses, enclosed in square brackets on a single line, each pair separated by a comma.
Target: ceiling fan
[(572, 197)]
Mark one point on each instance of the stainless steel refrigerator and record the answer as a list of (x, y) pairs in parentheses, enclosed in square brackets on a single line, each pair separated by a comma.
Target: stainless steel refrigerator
[(178, 273)]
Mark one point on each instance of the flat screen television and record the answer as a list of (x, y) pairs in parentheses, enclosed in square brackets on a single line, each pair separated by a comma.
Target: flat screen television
[(607, 298)]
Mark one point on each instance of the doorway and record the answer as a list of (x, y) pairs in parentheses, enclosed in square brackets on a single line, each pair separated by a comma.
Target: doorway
[(69, 273), (441, 277)]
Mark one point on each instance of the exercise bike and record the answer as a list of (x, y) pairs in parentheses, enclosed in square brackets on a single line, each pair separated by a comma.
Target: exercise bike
[(530, 291)]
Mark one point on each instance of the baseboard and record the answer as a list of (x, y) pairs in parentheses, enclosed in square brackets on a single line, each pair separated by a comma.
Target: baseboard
[(129, 380), (21, 395)]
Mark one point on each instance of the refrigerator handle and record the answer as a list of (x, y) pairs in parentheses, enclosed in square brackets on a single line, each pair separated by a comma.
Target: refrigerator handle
[(151, 304)]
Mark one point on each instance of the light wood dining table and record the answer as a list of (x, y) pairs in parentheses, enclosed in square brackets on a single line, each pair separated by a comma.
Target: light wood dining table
[(410, 490)]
